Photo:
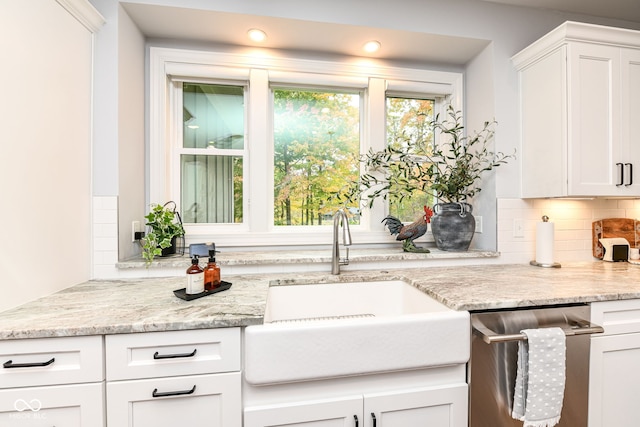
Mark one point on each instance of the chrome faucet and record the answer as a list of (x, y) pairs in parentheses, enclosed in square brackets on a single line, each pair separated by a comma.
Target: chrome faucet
[(336, 262)]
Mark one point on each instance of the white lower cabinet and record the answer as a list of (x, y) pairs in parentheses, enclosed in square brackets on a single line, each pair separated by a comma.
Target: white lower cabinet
[(179, 378), (75, 405), (614, 367), (52, 382), (444, 406), (194, 401)]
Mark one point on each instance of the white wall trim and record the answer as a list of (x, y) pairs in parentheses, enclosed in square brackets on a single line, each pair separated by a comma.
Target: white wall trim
[(85, 13)]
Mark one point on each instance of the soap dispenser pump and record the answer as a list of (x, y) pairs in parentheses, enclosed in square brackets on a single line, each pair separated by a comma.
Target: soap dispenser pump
[(211, 272)]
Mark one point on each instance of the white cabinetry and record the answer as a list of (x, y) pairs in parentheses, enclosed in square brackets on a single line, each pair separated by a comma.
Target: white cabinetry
[(182, 378), (435, 397), (432, 406), (579, 91), (52, 381), (614, 372)]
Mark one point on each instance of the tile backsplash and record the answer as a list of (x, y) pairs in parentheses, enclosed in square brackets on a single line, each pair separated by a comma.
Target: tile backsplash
[(572, 219)]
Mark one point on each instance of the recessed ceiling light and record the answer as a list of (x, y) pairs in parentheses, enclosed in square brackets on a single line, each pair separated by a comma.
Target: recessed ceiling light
[(257, 35), (372, 46)]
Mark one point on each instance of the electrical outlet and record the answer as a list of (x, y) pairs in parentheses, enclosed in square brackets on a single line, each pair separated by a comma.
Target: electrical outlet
[(478, 224), (518, 228), (135, 228)]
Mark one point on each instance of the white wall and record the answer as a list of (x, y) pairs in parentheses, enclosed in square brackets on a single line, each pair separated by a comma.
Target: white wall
[(131, 125), (45, 150), (490, 78)]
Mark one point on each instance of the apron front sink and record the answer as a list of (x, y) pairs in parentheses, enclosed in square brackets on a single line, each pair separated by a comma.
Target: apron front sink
[(341, 329)]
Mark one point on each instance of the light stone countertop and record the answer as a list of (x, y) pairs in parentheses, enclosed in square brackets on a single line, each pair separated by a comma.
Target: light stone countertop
[(145, 305)]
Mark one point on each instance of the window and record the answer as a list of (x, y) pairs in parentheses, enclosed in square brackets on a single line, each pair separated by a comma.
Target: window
[(316, 144), (211, 154), (408, 120), (254, 147)]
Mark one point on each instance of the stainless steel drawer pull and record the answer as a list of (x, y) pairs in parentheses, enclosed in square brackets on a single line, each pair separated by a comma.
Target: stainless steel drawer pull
[(10, 364), (157, 355), (173, 393), (574, 327)]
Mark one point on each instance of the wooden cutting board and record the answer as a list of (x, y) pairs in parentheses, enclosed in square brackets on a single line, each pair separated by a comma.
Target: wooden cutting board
[(615, 227)]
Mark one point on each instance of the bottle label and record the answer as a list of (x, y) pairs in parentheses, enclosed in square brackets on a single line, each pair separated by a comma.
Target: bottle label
[(195, 283)]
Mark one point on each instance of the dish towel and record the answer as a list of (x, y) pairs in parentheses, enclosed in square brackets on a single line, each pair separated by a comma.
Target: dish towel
[(540, 378)]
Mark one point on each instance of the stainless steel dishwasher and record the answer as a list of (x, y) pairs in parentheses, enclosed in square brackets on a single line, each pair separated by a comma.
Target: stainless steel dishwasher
[(494, 350)]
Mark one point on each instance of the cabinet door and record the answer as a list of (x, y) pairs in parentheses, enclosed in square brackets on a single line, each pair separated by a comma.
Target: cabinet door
[(194, 401), (593, 122), (433, 407), (341, 412), (67, 405), (630, 111), (614, 381)]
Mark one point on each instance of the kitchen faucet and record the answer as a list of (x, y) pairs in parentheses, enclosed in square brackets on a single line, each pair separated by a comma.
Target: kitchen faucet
[(336, 262)]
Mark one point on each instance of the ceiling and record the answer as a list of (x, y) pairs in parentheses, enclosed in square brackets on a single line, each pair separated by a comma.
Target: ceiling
[(290, 34), (222, 28), (626, 10)]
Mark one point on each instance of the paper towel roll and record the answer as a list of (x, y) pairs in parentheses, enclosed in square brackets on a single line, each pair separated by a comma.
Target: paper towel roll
[(544, 242)]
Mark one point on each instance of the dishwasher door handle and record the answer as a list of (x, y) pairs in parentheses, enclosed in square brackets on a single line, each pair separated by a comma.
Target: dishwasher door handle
[(573, 327)]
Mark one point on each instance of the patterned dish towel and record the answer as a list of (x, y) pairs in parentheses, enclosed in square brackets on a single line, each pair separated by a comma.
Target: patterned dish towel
[(540, 379)]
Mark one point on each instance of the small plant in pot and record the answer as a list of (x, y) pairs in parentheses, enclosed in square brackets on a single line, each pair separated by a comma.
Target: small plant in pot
[(165, 226), (450, 170)]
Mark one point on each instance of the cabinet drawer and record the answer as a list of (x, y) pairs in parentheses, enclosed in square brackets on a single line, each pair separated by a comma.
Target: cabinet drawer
[(48, 361), (78, 405), (195, 401), (164, 354), (617, 317)]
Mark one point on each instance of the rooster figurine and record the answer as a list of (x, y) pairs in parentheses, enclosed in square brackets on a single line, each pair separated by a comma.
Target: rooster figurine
[(409, 232)]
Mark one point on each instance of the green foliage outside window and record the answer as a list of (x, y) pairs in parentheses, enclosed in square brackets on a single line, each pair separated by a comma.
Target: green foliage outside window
[(316, 149)]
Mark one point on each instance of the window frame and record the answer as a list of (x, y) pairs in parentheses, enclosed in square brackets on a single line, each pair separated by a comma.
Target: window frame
[(259, 73)]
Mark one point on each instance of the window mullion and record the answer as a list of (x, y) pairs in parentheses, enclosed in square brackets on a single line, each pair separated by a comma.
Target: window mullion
[(260, 164), (376, 136)]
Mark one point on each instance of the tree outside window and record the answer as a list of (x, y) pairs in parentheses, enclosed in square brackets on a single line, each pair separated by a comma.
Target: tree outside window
[(316, 147)]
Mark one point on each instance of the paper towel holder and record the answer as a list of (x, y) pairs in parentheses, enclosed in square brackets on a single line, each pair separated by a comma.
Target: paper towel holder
[(535, 263)]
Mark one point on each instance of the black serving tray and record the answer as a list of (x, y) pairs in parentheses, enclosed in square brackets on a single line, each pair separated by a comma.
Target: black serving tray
[(182, 293)]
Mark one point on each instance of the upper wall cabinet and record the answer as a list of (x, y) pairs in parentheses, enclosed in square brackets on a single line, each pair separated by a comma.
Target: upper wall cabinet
[(580, 113)]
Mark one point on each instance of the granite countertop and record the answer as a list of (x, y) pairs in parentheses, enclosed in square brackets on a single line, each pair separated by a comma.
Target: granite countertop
[(145, 305)]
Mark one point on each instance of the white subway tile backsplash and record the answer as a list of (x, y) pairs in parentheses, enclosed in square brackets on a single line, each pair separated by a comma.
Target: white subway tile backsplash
[(573, 220)]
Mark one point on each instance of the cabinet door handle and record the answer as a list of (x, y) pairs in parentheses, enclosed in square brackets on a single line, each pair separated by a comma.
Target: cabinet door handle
[(156, 355), (355, 418), (630, 174), (373, 418), (172, 393), (10, 364), (621, 170)]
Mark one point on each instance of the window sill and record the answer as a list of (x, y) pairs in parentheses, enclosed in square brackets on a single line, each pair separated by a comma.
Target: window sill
[(304, 260)]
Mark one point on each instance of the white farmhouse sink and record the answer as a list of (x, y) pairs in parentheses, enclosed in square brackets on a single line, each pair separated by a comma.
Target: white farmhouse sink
[(342, 329)]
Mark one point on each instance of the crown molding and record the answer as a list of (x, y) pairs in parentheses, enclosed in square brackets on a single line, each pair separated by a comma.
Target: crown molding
[(84, 12)]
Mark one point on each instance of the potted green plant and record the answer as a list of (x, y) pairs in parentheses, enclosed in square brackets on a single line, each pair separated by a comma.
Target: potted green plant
[(165, 226), (457, 165), (450, 170)]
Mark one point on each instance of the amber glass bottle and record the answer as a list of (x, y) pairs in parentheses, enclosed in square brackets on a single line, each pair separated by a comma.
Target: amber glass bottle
[(211, 272), (195, 277)]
